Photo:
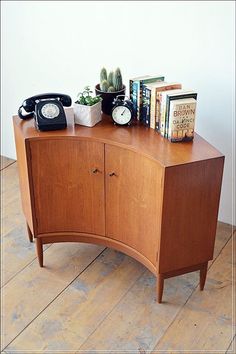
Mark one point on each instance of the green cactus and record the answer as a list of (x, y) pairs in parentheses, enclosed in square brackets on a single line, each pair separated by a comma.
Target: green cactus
[(104, 86), (117, 80), (113, 82), (103, 75), (111, 89), (110, 78), (117, 72)]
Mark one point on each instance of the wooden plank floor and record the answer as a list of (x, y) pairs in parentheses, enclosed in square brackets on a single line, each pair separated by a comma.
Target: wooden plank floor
[(88, 299), (5, 161)]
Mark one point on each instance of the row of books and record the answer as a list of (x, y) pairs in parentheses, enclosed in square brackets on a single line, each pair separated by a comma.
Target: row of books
[(165, 107)]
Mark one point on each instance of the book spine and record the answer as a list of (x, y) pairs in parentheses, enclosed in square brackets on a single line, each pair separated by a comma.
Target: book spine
[(167, 117), (131, 89), (163, 114), (153, 109), (148, 109), (158, 111), (135, 98), (141, 87), (139, 90), (145, 109), (139, 100)]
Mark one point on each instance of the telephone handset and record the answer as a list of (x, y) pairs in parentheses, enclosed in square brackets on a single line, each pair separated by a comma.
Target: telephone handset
[(47, 109)]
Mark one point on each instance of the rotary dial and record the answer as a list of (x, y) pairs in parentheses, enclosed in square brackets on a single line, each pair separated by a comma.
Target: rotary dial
[(50, 110)]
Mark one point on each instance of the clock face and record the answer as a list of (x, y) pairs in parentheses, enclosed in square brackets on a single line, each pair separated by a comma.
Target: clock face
[(121, 115), (50, 110)]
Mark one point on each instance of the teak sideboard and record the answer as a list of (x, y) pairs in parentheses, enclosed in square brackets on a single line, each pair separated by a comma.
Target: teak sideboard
[(123, 187)]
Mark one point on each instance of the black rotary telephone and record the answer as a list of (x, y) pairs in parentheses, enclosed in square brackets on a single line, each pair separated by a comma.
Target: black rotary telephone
[(47, 109)]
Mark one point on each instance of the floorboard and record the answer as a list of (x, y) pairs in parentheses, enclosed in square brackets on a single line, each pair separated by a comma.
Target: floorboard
[(11, 214), (205, 322), (79, 310), (5, 161), (144, 321), (34, 288), (17, 251), (232, 347)]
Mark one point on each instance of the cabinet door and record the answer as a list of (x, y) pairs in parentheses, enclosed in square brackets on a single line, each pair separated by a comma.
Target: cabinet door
[(68, 185), (133, 200)]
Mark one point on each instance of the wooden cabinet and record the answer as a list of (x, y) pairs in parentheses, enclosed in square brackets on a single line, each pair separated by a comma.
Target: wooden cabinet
[(126, 188)]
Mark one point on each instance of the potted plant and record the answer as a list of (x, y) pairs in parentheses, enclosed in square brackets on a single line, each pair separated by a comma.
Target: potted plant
[(87, 109), (110, 87)]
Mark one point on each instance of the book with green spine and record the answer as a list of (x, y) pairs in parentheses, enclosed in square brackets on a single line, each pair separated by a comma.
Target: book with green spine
[(136, 88)]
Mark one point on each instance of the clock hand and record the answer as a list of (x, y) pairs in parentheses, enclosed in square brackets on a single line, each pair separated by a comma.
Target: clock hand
[(123, 112)]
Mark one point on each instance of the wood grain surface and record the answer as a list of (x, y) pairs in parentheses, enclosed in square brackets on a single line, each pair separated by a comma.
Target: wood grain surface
[(10, 196), (206, 321), (85, 301), (99, 240), (190, 210), (68, 195), (136, 138), (142, 322), (32, 290), (17, 252), (5, 162), (83, 305), (133, 200), (24, 180)]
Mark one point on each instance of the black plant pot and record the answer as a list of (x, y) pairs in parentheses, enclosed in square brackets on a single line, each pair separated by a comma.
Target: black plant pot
[(108, 98)]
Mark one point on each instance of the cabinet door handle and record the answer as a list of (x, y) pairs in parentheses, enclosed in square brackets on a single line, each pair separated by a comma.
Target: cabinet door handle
[(95, 170), (112, 174)]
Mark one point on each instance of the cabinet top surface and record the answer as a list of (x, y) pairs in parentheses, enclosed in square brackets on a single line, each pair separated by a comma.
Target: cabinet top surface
[(137, 138)]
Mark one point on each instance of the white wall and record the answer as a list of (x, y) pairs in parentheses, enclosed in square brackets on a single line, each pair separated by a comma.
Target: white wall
[(61, 46)]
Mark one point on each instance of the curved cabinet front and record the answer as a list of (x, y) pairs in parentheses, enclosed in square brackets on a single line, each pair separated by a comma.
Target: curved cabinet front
[(68, 185), (133, 200), (94, 188)]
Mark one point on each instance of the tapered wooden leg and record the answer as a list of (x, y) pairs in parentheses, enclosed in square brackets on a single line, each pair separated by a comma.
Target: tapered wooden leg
[(203, 273), (29, 233), (39, 246), (160, 287)]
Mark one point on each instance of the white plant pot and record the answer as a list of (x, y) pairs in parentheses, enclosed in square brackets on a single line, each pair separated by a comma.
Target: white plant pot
[(87, 115)]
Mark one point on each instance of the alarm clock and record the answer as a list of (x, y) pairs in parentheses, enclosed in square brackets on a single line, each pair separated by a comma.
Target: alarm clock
[(122, 112)]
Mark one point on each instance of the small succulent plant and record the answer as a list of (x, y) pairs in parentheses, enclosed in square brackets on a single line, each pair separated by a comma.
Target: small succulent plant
[(86, 99), (111, 82)]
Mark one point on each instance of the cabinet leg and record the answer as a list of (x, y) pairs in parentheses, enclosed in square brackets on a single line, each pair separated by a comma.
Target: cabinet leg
[(160, 287), (203, 273), (29, 233), (39, 246)]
